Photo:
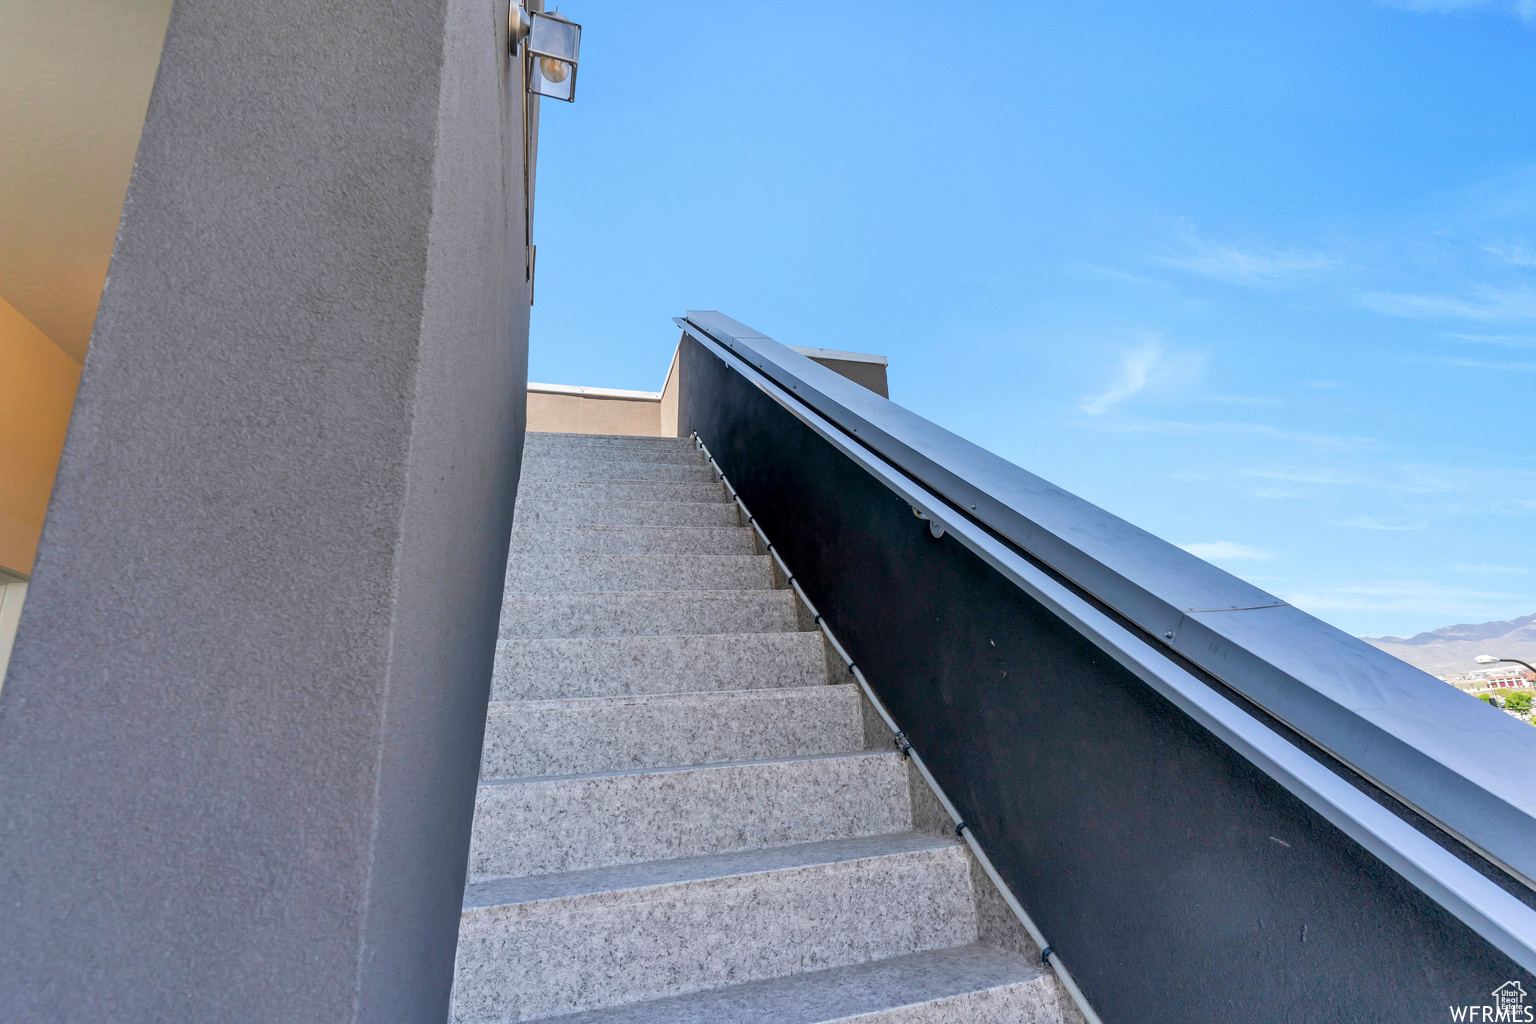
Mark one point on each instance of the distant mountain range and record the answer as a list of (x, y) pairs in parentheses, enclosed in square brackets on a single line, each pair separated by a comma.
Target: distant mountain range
[(1452, 648)]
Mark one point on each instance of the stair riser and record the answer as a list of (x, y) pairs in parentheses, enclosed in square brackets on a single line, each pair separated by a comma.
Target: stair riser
[(541, 442), (959, 985), (563, 573), (533, 511), (690, 614), (612, 666), (632, 540), (579, 736), (677, 455), (612, 471), (589, 490), (1028, 1002), (570, 824), (535, 960)]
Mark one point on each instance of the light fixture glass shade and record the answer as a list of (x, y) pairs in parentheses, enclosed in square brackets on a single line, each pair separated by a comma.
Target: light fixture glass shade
[(553, 36), (553, 78), (553, 47)]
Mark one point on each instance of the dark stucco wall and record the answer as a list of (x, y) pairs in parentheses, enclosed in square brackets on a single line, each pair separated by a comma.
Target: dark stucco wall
[(240, 734)]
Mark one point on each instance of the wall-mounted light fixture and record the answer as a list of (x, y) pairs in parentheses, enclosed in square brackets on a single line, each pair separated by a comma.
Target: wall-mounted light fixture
[(554, 43)]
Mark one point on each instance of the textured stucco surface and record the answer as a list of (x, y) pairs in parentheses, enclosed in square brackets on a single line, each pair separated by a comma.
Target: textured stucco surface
[(592, 414), (238, 741)]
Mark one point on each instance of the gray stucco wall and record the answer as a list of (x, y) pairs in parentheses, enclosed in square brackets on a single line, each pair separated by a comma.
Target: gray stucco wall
[(240, 734)]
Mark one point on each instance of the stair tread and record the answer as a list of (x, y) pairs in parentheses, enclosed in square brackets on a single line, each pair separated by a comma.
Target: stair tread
[(569, 572), (680, 768), (676, 823), (648, 558), (620, 501), (617, 665), (648, 613), (616, 941), (634, 731), (500, 892), (554, 437), (705, 491), (836, 994), (532, 538), (569, 465), (544, 824), (587, 512), (663, 698)]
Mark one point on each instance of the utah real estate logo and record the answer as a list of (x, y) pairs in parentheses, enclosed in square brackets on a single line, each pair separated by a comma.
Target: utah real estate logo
[(1508, 1005)]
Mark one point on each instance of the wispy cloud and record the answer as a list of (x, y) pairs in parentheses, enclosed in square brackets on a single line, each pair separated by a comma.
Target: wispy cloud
[(1400, 479), (1515, 254), (1436, 491), (1452, 603), (1369, 523), (1523, 9), (1139, 367), (1226, 550), (1488, 569), (1483, 364), (1486, 303), (1227, 428), (1253, 266)]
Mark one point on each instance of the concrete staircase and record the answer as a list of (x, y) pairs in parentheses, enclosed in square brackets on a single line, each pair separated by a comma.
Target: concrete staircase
[(680, 818)]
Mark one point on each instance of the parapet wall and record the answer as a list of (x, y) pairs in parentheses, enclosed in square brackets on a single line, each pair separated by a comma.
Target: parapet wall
[(569, 409)]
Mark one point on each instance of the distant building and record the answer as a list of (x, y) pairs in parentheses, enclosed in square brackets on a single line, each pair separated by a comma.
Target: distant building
[(1499, 678)]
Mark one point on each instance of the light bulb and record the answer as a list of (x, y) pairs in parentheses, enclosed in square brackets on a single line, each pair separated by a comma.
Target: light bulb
[(554, 70)]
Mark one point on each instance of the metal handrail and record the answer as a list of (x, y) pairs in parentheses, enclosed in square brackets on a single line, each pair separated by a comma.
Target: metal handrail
[(1504, 921)]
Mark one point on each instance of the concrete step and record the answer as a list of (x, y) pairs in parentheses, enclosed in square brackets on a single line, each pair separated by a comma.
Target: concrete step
[(634, 540), (608, 734), (598, 490), (540, 511), (972, 984), (574, 822), (537, 947), (542, 441), (616, 470), (673, 613), (549, 669), (683, 454), (568, 573)]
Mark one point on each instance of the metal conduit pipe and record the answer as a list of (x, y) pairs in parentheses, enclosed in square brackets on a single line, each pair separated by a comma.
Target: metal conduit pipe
[(1047, 954)]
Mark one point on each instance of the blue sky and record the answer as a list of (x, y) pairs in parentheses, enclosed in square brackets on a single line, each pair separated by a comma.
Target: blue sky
[(1258, 277)]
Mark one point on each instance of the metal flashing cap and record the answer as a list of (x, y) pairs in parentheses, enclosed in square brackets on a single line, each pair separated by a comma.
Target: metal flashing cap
[(554, 44)]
